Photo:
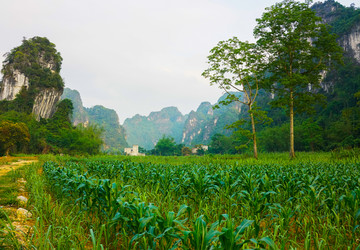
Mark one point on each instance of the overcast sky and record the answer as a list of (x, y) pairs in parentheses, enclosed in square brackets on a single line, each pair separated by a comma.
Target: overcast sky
[(134, 56)]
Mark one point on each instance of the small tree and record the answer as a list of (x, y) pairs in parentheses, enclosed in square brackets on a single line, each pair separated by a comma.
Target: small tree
[(165, 146), (299, 47), (12, 134), (236, 66)]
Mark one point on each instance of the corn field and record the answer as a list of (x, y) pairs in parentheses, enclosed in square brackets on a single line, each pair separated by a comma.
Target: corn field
[(221, 205)]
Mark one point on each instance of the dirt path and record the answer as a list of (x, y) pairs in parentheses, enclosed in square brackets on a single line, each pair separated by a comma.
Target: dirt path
[(20, 225), (4, 169)]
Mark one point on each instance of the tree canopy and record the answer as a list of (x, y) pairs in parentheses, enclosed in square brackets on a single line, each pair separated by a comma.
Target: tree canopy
[(299, 48), (13, 135)]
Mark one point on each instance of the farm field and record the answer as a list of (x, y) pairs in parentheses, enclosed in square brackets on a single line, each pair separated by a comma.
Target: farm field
[(208, 202)]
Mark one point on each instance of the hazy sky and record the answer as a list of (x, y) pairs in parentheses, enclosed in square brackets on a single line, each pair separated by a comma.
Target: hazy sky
[(134, 56)]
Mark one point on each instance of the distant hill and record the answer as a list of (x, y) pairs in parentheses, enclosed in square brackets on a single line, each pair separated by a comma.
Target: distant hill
[(197, 127), (145, 131), (114, 133)]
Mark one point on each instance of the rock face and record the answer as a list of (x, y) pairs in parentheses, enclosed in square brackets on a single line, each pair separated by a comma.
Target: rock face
[(113, 132), (205, 122), (351, 42), (12, 85), (80, 116), (33, 70), (197, 127), (145, 131), (45, 103), (345, 23)]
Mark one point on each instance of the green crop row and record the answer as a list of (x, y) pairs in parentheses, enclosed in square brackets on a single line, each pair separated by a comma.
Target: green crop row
[(218, 205)]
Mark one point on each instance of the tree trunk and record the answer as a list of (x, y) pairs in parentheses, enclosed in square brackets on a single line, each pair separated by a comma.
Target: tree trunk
[(7, 152), (292, 151), (254, 133)]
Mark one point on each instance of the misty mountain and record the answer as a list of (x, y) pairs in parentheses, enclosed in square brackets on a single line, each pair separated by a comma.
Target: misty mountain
[(197, 127), (107, 119)]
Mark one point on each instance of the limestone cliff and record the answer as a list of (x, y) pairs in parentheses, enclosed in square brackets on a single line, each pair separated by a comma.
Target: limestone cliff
[(205, 122), (80, 116), (45, 103), (145, 131), (31, 78), (345, 22), (12, 85), (197, 127), (351, 42), (113, 133)]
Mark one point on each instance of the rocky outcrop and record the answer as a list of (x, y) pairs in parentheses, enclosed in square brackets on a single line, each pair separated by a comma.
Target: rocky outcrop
[(32, 69), (206, 121), (145, 131), (344, 23), (45, 103), (351, 42), (113, 133), (12, 85), (80, 116), (195, 128)]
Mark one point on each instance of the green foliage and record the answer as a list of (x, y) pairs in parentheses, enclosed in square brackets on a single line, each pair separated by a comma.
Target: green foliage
[(33, 59), (298, 47), (221, 144), (13, 135), (55, 135), (113, 134), (107, 119), (166, 146), (207, 203), (29, 58), (237, 66), (341, 18)]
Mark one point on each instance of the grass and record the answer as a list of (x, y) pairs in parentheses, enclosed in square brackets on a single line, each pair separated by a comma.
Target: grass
[(9, 190)]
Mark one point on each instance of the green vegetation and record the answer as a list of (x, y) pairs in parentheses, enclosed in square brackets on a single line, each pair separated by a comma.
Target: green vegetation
[(296, 49), (55, 135), (113, 134), (13, 135), (335, 125), (237, 66), (20, 132), (39, 61), (299, 48), (166, 146), (196, 202), (345, 18)]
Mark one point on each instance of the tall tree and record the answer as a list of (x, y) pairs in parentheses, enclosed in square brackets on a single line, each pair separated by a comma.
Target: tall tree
[(235, 66), (299, 49)]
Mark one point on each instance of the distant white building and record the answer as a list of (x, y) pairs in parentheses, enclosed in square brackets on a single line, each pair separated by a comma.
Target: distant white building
[(134, 151)]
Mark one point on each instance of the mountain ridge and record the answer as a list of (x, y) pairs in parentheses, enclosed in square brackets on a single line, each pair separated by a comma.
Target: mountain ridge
[(114, 135), (196, 127)]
